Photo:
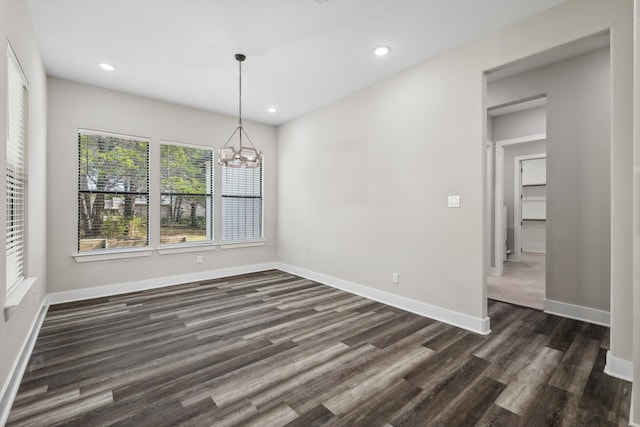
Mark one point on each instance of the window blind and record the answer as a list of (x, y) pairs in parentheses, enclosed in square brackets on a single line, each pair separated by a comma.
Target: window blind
[(16, 171), (186, 205), (113, 191), (241, 203)]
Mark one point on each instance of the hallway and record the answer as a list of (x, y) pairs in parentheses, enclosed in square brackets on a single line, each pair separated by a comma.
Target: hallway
[(522, 282)]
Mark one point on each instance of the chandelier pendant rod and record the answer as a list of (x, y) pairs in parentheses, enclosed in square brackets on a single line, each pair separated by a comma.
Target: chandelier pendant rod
[(240, 58), (243, 156)]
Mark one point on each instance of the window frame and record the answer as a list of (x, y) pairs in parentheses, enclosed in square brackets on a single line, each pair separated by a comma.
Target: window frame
[(246, 242), (154, 211), (18, 181), (99, 254), (209, 202)]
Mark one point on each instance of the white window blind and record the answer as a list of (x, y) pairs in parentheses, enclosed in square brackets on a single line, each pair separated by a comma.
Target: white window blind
[(16, 170), (186, 194), (241, 203), (113, 191)]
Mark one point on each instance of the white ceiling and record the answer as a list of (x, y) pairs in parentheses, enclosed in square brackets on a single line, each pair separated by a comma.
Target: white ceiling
[(301, 54)]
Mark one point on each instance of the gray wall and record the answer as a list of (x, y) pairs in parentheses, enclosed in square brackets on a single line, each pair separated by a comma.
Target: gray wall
[(578, 173), (15, 27), (635, 170), (73, 106), (622, 122), (532, 121), (365, 194)]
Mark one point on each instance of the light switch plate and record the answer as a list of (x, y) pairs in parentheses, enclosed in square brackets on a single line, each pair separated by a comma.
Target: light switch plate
[(454, 201)]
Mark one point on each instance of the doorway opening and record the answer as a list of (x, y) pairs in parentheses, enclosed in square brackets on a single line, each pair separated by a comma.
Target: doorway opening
[(517, 147), (565, 217)]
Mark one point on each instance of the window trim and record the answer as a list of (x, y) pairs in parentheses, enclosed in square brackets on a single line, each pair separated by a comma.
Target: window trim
[(236, 244), (109, 254), (186, 247), (18, 293)]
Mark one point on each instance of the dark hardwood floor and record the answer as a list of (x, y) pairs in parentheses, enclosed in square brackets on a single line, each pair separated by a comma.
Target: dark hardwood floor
[(272, 349)]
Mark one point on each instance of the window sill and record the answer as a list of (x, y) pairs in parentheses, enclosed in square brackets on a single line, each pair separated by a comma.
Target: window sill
[(112, 254), (186, 248), (242, 244), (17, 294)]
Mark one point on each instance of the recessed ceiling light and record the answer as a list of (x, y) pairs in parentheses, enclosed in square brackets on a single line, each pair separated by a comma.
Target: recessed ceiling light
[(272, 110), (381, 51), (105, 66)]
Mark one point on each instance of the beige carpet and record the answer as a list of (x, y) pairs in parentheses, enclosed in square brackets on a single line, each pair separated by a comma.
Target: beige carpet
[(522, 282)]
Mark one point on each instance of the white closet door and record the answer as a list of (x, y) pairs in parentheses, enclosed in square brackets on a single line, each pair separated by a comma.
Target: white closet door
[(534, 172)]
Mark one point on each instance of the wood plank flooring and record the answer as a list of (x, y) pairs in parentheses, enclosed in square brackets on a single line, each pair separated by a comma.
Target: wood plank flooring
[(272, 349)]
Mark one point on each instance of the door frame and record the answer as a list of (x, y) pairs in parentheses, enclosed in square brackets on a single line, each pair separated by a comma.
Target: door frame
[(498, 186), (517, 207)]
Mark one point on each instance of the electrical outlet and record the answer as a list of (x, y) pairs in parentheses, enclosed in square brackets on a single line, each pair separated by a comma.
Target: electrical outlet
[(304, 256), (395, 278), (199, 259)]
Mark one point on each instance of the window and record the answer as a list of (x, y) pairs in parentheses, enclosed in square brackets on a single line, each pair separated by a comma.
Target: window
[(186, 178), (241, 203), (16, 170), (113, 191)]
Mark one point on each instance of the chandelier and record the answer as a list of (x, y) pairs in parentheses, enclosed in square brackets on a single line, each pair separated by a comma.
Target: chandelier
[(244, 156)]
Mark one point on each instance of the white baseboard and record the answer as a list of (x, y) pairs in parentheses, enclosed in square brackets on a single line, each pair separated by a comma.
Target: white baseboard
[(470, 323), (160, 282), (577, 312), (12, 383), (618, 368)]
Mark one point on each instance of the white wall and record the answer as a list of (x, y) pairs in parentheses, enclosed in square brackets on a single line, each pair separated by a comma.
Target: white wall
[(15, 26), (365, 189), (73, 106)]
